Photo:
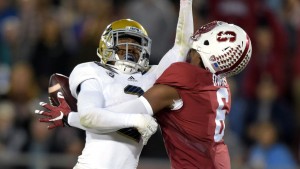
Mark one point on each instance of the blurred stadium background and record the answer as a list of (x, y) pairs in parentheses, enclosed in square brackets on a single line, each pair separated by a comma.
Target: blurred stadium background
[(41, 37)]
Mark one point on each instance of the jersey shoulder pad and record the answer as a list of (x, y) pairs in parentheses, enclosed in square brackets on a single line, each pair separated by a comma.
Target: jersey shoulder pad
[(82, 72), (152, 69)]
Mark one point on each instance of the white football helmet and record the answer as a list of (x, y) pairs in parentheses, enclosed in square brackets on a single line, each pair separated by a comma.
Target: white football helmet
[(225, 49), (109, 46)]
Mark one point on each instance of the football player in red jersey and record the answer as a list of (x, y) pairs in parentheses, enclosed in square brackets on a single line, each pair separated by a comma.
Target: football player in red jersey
[(198, 97)]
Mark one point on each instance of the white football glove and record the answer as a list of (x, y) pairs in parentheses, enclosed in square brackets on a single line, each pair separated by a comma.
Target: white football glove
[(146, 125)]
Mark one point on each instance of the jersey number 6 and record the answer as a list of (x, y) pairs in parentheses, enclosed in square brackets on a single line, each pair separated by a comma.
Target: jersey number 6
[(222, 98)]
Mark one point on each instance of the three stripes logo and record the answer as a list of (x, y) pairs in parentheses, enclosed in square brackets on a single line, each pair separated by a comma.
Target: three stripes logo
[(131, 78), (111, 74)]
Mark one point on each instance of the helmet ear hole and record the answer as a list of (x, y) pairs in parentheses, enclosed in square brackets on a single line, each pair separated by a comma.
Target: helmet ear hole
[(206, 42)]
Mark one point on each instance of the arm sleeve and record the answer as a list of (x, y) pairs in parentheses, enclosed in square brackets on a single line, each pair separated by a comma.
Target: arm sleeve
[(184, 30), (124, 115), (185, 25), (74, 121)]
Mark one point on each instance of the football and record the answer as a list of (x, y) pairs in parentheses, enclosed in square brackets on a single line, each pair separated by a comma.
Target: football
[(59, 82)]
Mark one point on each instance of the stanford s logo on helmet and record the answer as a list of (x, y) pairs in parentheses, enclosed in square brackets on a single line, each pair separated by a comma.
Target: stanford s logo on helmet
[(226, 36), (225, 49)]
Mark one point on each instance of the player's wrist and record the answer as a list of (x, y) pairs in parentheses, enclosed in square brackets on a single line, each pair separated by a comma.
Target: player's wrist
[(185, 3), (134, 120), (65, 121), (145, 124)]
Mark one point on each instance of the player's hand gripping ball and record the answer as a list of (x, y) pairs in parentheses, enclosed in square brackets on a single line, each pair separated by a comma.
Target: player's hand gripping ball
[(62, 102), (60, 83), (56, 115)]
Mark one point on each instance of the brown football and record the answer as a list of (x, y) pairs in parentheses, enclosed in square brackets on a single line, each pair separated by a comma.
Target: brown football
[(59, 82)]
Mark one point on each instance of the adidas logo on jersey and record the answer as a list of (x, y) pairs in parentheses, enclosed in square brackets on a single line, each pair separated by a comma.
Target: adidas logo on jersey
[(131, 78), (111, 74)]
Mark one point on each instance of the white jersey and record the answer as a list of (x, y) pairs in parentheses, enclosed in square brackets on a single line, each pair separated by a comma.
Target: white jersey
[(115, 150), (116, 88), (121, 150)]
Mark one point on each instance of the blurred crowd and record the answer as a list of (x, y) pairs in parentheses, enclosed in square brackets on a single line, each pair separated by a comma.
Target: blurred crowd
[(42, 37)]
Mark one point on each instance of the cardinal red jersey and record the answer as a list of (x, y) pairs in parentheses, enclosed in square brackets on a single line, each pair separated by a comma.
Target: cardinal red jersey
[(193, 135)]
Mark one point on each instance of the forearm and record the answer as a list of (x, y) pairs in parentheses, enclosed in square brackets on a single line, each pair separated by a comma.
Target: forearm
[(185, 27), (184, 30), (124, 115), (74, 121)]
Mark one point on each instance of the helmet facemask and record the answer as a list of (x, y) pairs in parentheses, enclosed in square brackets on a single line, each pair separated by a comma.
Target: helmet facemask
[(128, 50)]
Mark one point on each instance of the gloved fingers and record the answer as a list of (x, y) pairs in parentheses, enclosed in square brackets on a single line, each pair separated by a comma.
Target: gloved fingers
[(62, 101), (45, 119), (44, 113), (46, 105), (145, 139), (150, 129)]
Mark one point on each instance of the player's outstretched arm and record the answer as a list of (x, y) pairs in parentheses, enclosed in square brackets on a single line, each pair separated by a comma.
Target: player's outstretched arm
[(184, 30), (185, 26), (61, 115)]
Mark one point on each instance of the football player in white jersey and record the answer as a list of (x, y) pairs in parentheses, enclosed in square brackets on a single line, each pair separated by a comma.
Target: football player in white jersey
[(123, 74)]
